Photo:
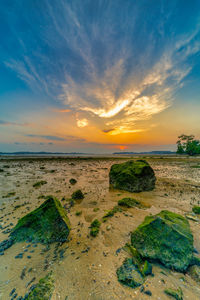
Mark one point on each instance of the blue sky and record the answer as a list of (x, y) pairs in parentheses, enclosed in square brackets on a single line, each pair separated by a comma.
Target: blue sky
[(96, 76)]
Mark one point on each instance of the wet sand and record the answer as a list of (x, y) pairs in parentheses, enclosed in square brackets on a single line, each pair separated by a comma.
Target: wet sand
[(85, 267)]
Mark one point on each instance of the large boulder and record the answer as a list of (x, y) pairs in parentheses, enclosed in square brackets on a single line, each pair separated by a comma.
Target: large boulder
[(166, 238), (132, 176), (46, 224)]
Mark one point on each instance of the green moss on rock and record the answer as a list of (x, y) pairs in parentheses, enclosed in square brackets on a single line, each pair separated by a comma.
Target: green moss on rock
[(73, 181), (132, 176), (143, 265), (136, 257), (146, 268), (78, 213), (176, 294), (166, 238), (77, 195), (129, 202), (46, 224), (39, 183), (129, 274), (111, 212), (196, 209), (94, 228), (43, 289), (194, 272)]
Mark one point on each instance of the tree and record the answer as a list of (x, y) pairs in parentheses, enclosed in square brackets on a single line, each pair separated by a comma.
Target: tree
[(187, 144)]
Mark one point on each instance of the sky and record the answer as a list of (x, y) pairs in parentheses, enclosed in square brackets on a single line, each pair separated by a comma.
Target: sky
[(98, 76)]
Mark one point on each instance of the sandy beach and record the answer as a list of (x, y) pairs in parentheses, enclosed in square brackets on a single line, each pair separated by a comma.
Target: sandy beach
[(85, 267)]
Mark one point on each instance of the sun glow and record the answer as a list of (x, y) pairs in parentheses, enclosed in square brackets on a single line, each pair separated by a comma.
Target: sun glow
[(122, 147), (82, 123)]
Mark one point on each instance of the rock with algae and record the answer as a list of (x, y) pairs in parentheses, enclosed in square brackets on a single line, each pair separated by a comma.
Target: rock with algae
[(46, 224), (132, 176), (111, 213), (194, 272), (129, 274), (73, 181), (176, 294), (166, 238), (130, 202), (43, 290), (94, 228), (196, 209), (77, 195), (134, 270)]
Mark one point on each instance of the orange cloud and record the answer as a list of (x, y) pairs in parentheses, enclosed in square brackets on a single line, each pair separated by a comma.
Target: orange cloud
[(62, 110), (82, 123)]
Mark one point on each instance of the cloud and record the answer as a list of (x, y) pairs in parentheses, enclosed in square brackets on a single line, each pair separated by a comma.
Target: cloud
[(118, 94), (8, 123), (111, 61), (108, 130), (82, 122), (62, 110), (67, 138), (23, 144), (47, 137)]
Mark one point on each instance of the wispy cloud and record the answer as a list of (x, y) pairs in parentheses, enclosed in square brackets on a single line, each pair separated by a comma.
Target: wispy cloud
[(47, 137), (32, 143), (8, 123), (67, 138), (62, 110), (109, 60)]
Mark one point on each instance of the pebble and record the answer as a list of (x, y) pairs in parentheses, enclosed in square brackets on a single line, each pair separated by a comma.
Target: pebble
[(12, 292), (20, 255), (149, 293)]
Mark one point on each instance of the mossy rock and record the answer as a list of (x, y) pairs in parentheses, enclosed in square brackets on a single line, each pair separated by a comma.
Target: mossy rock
[(73, 181), (129, 274), (46, 224), (77, 195), (43, 289), (132, 176), (166, 238), (196, 209), (144, 266), (111, 212), (192, 217), (136, 257), (194, 272), (39, 183), (78, 213), (129, 202), (94, 228), (176, 294)]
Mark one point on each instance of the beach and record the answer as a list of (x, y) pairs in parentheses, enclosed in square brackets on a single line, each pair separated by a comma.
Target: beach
[(84, 267)]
